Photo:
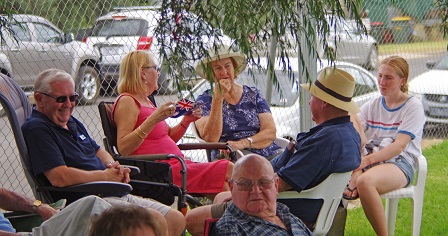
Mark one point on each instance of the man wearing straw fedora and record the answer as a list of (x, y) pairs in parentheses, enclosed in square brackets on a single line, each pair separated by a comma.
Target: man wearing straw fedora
[(333, 146)]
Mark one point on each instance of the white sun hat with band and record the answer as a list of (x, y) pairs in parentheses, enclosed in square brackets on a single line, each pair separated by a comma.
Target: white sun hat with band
[(336, 87), (221, 52)]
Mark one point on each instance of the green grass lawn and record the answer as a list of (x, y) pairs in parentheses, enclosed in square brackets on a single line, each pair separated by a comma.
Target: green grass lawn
[(415, 47), (434, 219)]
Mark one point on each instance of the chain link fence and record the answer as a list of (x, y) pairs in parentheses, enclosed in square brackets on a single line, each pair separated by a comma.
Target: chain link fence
[(411, 29)]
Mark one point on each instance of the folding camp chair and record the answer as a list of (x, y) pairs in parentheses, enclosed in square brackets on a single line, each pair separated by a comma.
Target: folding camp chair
[(17, 109)]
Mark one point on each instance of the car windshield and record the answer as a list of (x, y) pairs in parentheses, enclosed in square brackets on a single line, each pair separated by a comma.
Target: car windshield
[(443, 64), (124, 27)]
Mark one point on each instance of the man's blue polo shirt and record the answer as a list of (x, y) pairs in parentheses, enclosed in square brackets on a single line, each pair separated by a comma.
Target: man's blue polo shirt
[(331, 147), (50, 145)]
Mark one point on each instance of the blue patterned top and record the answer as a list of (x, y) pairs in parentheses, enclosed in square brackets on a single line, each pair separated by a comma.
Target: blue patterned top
[(235, 222), (241, 120)]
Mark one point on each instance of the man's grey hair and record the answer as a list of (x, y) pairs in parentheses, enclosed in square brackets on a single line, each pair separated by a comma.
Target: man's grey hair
[(44, 78)]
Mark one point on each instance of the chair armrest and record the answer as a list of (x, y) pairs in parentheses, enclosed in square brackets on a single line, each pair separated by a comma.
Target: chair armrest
[(91, 187), (146, 157), (207, 146), (134, 170)]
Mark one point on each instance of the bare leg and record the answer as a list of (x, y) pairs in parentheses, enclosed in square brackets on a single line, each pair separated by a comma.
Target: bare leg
[(371, 184), (195, 219), (229, 172), (175, 222), (222, 196), (159, 218)]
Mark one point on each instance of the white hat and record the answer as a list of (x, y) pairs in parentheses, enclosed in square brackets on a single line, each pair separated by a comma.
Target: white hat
[(215, 54), (336, 87)]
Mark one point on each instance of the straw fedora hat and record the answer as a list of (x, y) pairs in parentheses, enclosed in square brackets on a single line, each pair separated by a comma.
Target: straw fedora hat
[(336, 87), (222, 52)]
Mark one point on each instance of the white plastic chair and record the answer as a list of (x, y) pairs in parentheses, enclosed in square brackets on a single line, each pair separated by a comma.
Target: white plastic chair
[(330, 190), (416, 192)]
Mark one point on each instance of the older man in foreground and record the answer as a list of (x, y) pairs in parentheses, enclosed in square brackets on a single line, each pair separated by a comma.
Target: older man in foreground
[(254, 210)]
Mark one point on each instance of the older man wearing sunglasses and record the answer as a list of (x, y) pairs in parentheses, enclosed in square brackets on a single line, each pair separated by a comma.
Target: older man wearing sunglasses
[(63, 153)]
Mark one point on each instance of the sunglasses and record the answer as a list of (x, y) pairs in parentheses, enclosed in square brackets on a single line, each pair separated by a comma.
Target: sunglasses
[(153, 67), (62, 99), (247, 185)]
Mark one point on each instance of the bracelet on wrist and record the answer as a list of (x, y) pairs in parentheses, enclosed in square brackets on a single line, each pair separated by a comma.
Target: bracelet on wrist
[(139, 135), (139, 128), (250, 141)]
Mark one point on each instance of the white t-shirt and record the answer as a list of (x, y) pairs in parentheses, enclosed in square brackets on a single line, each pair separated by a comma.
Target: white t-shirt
[(379, 122)]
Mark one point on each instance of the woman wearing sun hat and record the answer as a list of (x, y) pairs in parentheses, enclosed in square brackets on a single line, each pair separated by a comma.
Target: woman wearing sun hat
[(234, 113)]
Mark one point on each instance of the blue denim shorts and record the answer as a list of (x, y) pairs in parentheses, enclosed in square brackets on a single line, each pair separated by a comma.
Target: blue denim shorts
[(401, 163), (404, 166)]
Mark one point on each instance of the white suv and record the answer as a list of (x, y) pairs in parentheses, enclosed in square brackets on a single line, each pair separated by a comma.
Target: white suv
[(134, 28), (34, 44)]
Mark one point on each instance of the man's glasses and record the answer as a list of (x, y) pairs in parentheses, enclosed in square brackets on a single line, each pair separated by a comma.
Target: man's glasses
[(247, 185), (153, 67), (62, 99)]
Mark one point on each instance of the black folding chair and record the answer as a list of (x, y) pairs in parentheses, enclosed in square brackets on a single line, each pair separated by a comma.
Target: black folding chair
[(17, 109)]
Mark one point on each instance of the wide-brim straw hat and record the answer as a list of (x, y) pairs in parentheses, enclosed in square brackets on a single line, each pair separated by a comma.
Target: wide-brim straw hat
[(336, 87), (222, 52)]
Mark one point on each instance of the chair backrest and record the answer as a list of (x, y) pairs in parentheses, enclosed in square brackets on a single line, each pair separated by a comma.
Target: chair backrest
[(157, 173), (109, 127), (209, 226), (17, 108), (422, 171), (330, 191)]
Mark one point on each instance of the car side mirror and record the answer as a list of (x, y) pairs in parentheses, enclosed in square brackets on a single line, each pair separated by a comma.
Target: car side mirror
[(430, 64), (68, 37)]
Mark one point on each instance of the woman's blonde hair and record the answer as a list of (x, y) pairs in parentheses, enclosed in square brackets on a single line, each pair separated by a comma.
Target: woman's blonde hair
[(130, 72), (400, 66)]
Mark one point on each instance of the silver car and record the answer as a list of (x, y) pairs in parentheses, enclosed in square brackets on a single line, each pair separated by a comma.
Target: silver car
[(431, 88), (134, 28), (352, 44), (35, 44)]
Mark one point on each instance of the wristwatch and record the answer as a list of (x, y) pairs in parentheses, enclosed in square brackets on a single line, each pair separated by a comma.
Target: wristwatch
[(36, 204), (250, 141)]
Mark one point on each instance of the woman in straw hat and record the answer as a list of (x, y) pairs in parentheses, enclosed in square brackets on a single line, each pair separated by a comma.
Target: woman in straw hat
[(396, 116), (234, 113), (141, 126)]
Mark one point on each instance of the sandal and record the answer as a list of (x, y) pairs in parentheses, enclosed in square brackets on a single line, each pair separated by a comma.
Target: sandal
[(351, 191)]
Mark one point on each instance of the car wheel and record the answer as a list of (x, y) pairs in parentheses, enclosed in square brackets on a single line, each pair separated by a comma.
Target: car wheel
[(166, 84), (372, 59), (88, 85)]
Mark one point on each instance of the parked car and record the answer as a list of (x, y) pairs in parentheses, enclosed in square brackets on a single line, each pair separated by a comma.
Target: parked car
[(431, 88), (285, 102), (352, 44), (133, 28), (35, 44)]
